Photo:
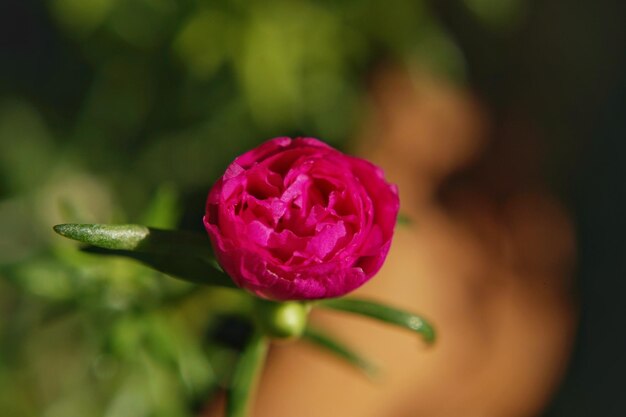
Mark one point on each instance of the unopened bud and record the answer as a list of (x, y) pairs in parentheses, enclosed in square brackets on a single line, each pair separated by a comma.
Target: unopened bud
[(282, 320)]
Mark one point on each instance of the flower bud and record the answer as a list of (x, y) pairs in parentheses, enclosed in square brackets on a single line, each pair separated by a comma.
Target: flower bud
[(282, 320), (295, 219)]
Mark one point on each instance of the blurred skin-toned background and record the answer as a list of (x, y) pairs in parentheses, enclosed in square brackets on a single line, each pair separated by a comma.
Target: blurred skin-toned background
[(501, 122)]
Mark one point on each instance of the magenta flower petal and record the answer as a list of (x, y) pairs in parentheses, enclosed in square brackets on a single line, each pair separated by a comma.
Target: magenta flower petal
[(295, 219)]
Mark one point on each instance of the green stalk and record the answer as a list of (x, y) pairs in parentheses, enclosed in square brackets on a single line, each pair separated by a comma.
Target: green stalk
[(246, 377)]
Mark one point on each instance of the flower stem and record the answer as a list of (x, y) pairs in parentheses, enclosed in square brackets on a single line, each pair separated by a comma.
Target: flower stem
[(246, 376)]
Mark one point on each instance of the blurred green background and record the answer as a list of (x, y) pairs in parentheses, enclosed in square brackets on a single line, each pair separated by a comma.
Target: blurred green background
[(127, 111)]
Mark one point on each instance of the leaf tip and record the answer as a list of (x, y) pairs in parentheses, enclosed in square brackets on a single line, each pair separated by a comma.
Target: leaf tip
[(63, 229), (429, 335), (423, 328)]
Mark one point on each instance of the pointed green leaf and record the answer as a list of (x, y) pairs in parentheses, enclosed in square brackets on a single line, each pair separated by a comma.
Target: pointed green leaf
[(138, 238), (108, 236), (246, 377), (185, 255), (383, 313), (333, 346)]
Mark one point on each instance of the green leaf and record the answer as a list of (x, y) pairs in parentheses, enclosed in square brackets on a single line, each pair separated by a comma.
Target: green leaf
[(246, 377), (383, 313), (118, 236), (137, 238), (185, 255), (333, 346)]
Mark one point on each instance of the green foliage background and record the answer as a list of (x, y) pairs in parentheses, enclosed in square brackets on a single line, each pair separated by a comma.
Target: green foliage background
[(127, 111)]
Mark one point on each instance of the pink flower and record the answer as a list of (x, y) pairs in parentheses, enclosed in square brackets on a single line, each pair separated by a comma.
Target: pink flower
[(297, 219)]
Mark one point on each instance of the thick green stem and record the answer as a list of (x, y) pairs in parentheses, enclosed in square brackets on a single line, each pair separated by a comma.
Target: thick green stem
[(246, 377)]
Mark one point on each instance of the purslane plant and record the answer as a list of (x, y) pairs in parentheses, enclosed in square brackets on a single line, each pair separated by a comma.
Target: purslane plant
[(296, 224)]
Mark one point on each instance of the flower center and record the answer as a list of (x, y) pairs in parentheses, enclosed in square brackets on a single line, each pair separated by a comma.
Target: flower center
[(299, 216)]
